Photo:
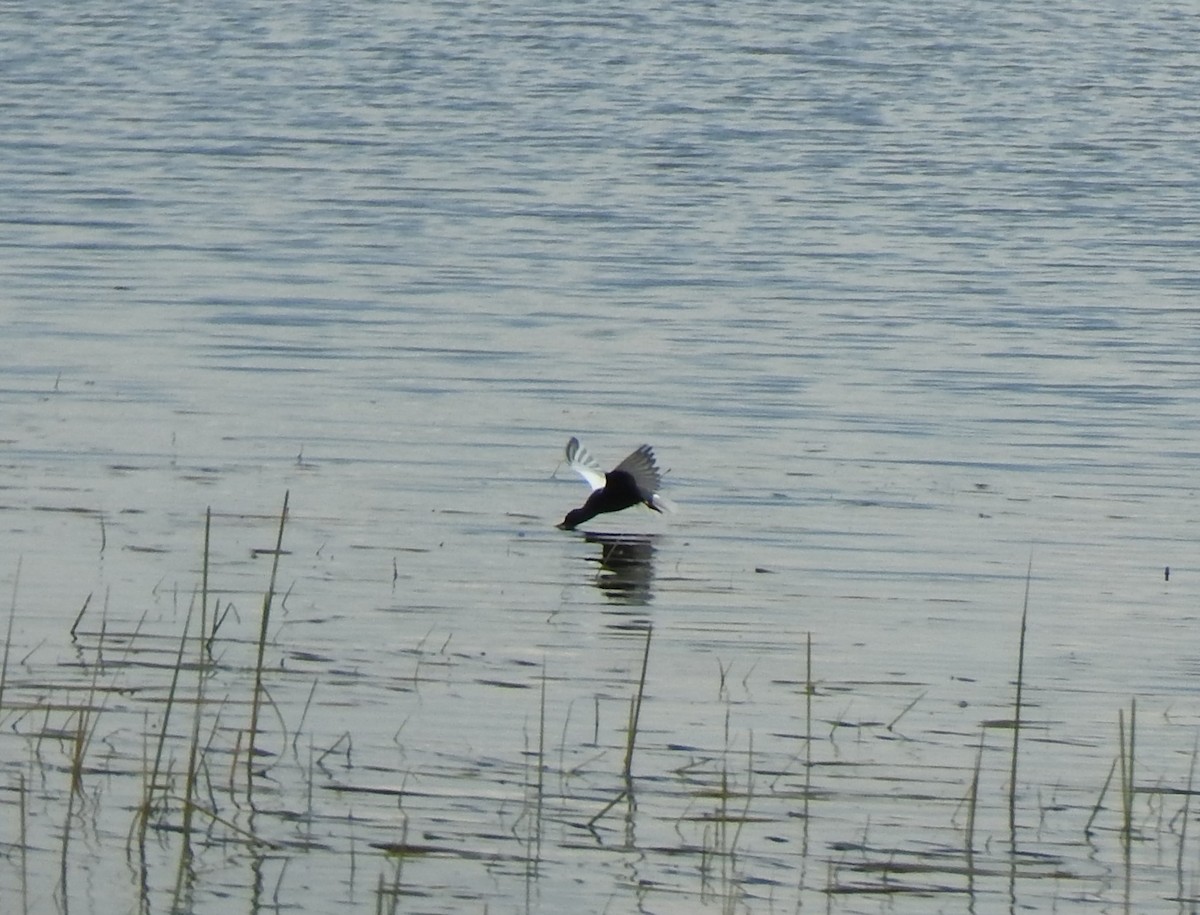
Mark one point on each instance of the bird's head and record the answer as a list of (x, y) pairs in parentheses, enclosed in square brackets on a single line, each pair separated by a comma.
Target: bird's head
[(575, 517)]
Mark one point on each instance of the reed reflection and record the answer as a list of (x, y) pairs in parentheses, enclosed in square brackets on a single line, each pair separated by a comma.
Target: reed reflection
[(625, 570)]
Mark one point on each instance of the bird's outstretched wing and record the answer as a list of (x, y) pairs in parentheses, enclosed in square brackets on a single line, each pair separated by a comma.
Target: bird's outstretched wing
[(584, 464), (641, 466)]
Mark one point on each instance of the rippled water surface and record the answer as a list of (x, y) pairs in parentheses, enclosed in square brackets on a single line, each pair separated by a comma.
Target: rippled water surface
[(905, 298)]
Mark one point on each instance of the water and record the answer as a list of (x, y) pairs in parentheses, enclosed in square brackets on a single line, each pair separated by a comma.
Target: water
[(903, 295)]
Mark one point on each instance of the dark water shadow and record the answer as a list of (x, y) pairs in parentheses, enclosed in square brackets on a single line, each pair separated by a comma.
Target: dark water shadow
[(625, 567)]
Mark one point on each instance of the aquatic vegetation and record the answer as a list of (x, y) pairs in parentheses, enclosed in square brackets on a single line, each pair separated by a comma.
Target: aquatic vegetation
[(221, 760)]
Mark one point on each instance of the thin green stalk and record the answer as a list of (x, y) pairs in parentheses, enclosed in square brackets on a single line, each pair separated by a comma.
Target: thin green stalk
[(156, 768), (904, 711), (1126, 759), (607, 807), (1187, 799), (973, 800), (1087, 827), (12, 615), (1132, 761), (79, 616), (635, 710), (809, 689), (204, 576), (304, 715), (262, 647), (189, 790), (24, 836), (533, 834), (737, 832), (541, 756), (249, 837), (1012, 774), (85, 730)]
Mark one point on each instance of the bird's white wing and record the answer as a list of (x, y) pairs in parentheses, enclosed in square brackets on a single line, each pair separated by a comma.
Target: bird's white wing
[(584, 464)]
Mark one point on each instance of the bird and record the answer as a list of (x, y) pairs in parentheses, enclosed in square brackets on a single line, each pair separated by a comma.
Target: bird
[(636, 480)]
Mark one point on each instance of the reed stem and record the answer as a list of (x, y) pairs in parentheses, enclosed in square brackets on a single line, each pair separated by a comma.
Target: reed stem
[(262, 647), (12, 615), (635, 710), (1012, 774)]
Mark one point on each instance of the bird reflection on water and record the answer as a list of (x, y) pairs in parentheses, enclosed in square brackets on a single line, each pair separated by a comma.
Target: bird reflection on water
[(625, 570)]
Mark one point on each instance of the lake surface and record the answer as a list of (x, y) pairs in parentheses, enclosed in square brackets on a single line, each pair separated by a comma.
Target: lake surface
[(904, 295)]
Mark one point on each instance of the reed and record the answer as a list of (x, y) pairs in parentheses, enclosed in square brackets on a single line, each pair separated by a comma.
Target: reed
[(218, 620), (387, 895), (87, 718), (1099, 805), (533, 833), (265, 622), (973, 801), (635, 712), (196, 753), (809, 689), (246, 835), (1017, 707), (204, 580), (23, 836), (1183, 820), (541, 754), (1130, 788), (312, 691), (12, 615), (1123, 765), (635, 708), (721, 816), (891, 725), (207, 752), (189, 790), (723, 826), (181, 764), (1126, 754), (142, 819), (745, 814), (344, 739), (79, 616)]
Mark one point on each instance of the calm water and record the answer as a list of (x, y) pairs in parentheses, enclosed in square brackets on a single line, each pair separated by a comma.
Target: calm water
[(904, 295)]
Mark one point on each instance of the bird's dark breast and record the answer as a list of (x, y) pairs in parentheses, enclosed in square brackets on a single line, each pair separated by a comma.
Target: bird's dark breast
[(620, 491)]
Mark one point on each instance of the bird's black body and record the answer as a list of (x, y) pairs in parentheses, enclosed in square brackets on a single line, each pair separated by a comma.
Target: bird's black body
[(634, 481), (620, 491)]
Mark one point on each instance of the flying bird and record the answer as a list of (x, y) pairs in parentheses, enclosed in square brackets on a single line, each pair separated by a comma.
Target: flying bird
[(636, 480)]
